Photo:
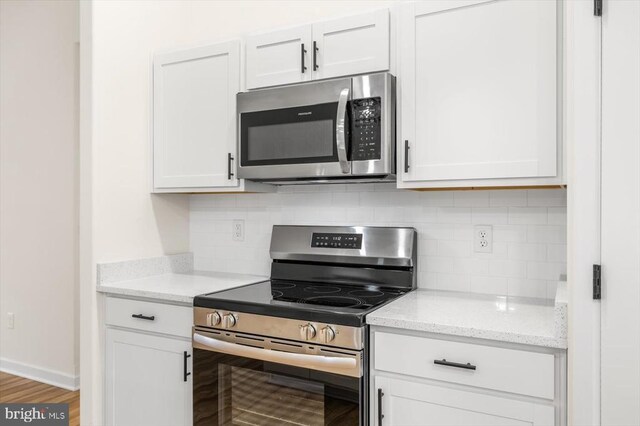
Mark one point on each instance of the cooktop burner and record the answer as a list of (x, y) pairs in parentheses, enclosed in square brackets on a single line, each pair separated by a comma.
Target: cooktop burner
[(331, 295), (346, 302), (337, 303)]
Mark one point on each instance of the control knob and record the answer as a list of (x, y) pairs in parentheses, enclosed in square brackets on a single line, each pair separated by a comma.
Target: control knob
[(213, 319), (328, 334), (229, 320), (307, 331)]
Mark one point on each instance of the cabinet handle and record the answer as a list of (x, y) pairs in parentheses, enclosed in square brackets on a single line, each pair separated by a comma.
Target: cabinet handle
[(406, 156), (302, 52), (186, 374), (315, 56), (380, 415), (229, 173), (467, 366), (144, 317)]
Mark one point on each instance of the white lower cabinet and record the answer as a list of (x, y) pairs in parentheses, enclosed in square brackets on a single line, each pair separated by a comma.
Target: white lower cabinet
[(148, 377), (407, 403), (422, 379)]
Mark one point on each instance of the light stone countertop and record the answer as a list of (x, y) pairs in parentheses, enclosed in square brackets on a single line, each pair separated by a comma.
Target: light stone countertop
[(506, 319), (178, 287)]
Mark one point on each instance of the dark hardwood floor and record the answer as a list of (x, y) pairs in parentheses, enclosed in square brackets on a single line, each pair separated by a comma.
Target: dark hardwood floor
[(19, 389)]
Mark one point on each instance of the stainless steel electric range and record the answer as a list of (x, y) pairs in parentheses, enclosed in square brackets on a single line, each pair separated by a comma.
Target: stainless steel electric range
[(294, 349)]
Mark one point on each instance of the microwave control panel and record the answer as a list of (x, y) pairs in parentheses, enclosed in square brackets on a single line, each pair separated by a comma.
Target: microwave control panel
[(365, 133)]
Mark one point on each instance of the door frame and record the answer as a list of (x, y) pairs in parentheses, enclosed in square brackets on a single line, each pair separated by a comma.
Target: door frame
[(583, 136)]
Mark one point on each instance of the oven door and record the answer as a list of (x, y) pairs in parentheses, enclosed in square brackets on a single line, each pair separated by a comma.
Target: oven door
[(294, 132), (244, 379)]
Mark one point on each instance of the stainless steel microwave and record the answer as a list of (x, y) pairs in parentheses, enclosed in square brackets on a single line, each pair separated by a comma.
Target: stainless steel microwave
[(327, 131)]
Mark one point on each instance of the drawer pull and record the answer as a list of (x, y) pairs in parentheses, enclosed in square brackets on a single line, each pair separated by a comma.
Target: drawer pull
[(144, 317), (185, 372), (467, 366), (380, 415)]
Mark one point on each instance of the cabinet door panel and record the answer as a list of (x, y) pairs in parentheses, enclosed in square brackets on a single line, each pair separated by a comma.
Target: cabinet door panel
[(194, 116), (145, 382), (276, 58), (409, 403), (479, 89), (352, 45)]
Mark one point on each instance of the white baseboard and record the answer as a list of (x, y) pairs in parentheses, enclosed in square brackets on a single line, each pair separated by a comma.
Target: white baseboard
[(50, 377)]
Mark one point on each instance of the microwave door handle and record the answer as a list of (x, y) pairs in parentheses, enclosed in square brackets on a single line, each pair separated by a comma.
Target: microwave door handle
[(341, 143), (299, 360)]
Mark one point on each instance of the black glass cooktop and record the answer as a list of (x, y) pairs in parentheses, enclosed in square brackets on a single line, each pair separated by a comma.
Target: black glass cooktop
[(331, 303)]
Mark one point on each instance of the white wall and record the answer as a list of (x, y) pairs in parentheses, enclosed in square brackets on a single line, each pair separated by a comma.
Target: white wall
[(38, 189), (529, 251)]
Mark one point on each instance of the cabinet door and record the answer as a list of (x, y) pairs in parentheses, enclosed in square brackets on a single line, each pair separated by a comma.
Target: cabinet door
[(145, 380), (279, 57), (479, 89), (408, 403), (194, 116), (352, 45)]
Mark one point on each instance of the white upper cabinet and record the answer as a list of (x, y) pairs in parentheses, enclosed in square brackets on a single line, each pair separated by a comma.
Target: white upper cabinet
[(479, 86), (194, 117), (352, 45), (279, 57)]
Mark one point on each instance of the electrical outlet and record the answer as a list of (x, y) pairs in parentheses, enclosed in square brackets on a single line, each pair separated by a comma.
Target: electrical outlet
[(238, 230), (483, 239), (10, 320)]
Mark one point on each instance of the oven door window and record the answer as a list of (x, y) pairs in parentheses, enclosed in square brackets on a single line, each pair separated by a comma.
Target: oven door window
[(297, 135), (232, 390)]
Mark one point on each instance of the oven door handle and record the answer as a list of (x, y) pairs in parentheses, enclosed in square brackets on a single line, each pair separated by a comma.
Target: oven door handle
[(298, 360), (341, 144)]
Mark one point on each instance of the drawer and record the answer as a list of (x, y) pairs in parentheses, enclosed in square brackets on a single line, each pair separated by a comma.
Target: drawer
[(167, 319), (508, 370)]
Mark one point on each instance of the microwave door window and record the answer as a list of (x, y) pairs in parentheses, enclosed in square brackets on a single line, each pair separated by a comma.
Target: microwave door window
[(291, 141), (298, 135)]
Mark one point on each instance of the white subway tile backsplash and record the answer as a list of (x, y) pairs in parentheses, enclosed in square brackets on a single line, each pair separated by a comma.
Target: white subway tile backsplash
[(471, 199), (436, 231), (453, 282), (504, 198), (438, 199), (557, 252), (454, 248), (463, 232), (527, 251), (437, 264), (547, 234), (454, 215), (491, 285), (557, 215), (527, 288), (546, 197), (428, 247), (545, 270), (471, 265), (359, 215), (490, 215), (509, 233), (345, 199), (507, 268), (529, 231), (527, 215)]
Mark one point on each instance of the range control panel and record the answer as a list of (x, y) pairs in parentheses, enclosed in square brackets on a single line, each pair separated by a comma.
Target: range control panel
[(342, 241), (365, 132)]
